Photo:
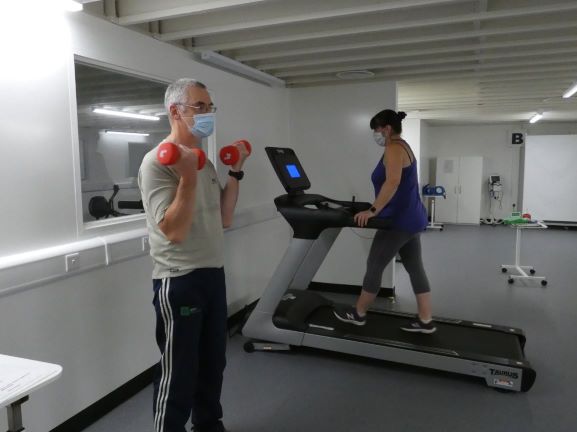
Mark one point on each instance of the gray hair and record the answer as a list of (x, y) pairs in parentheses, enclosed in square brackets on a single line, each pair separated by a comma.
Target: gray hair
[(177, 91)]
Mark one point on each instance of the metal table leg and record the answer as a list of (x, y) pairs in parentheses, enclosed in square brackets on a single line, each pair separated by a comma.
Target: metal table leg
[(521, 270), (15, 415)]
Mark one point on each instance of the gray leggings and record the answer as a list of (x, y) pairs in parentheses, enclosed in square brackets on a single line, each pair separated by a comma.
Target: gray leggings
[(385, 247)]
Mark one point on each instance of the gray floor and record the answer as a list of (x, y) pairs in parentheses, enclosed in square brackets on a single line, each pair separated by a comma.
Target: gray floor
[(311, 390)]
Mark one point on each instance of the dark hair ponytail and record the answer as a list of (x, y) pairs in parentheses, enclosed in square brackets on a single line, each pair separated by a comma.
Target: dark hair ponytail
[(388, 118)]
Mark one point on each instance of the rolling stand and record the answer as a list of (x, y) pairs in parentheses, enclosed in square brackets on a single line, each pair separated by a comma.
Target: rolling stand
[(522, 275), (432, 193)]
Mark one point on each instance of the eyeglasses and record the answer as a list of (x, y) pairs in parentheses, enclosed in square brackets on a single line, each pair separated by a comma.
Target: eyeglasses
[(201, 107)]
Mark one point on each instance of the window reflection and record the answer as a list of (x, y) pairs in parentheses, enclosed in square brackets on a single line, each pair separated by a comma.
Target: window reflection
[(112, 146)]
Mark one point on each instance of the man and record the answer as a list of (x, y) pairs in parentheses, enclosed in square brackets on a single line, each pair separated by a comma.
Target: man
[(186, 210)]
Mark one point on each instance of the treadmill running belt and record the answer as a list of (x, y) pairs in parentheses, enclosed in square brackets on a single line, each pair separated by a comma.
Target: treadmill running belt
[(449, 337)]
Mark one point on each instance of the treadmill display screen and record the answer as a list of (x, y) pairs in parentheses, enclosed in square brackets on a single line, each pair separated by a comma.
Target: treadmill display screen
[(289, 170), (293, 171)]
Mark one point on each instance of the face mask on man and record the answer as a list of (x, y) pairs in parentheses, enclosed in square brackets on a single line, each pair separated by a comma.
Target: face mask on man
[(203, 125), (379, 139)]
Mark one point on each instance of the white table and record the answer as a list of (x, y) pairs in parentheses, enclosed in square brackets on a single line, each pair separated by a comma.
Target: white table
[(517, 266), (18, 378)]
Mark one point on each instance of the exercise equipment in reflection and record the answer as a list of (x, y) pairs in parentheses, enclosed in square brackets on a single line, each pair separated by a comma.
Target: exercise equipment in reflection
[(101, 208)]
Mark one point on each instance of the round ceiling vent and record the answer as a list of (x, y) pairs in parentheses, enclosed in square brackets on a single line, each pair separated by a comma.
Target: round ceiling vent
[(355, 74)]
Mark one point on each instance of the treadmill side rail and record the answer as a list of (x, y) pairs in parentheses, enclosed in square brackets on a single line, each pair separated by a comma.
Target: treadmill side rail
[(498, 376)]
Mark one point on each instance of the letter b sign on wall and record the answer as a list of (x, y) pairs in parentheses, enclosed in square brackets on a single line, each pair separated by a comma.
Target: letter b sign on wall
[(517, 138)]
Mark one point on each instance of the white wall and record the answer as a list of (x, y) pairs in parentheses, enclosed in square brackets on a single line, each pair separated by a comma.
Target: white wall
[(549, 128), (550, 177), (96, 325), (413, 135), (425, 158), (35, 131), (492, 143), (330, 133), (100, 325)]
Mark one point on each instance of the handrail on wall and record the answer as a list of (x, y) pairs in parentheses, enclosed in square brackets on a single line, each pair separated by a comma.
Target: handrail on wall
[(30, 269)]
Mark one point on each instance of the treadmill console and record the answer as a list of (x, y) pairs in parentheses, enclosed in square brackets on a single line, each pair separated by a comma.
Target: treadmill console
[(310, 214), (288, 169)]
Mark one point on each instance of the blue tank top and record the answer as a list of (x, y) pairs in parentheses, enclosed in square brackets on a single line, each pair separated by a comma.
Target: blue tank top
[(405, 209)]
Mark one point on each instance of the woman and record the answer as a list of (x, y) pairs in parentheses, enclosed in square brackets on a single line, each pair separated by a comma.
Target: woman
[(397, 198)]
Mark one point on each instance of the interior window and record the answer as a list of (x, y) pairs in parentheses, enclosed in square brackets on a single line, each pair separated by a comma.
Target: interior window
[(121, 117)]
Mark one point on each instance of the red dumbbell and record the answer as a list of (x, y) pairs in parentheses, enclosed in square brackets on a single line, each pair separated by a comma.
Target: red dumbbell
[(168, 154), (229, 155)]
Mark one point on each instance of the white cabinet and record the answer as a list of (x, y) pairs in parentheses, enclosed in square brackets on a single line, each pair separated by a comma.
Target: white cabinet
[(462, 179), (448, 177)]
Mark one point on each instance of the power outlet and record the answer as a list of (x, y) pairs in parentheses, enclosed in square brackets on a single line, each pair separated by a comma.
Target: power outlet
[(72, 262), (145, 244)]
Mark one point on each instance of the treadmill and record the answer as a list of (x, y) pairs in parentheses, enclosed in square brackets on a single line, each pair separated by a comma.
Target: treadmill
[(290, 314)]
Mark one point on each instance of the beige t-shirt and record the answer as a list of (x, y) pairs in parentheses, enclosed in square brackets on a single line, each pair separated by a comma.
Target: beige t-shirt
[(203, 247)]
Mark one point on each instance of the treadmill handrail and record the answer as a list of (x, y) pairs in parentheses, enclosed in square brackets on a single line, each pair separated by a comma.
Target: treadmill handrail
[(310, 214)]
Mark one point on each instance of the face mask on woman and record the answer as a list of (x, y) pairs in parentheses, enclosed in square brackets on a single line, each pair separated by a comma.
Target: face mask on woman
[(379, 139)]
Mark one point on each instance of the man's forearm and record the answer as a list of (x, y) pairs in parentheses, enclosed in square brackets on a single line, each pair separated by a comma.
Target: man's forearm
[(228, 201), (180, 214)]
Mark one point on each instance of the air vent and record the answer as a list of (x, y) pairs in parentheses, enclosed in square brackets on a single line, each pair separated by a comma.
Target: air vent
[(355, 74)]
